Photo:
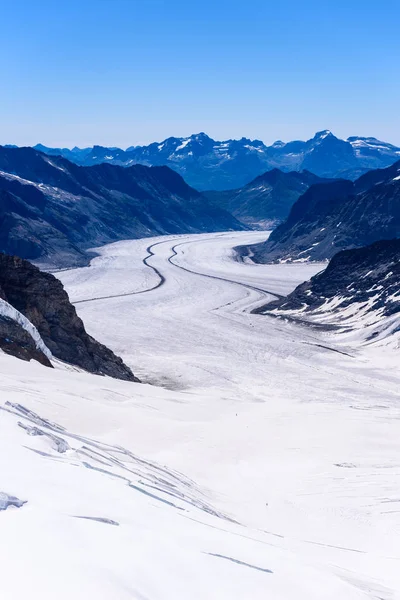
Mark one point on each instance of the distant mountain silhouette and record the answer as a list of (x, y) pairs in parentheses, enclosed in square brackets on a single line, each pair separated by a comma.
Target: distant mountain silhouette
[(268, 198), (207, 164)]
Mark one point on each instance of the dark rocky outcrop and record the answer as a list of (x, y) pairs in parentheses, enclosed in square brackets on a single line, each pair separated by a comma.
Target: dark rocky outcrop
[(41, 298), (337, 215), (366, 278)]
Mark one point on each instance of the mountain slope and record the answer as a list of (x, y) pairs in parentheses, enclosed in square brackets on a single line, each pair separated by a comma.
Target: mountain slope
[(52, 210), (224, 165), (75, 154), (268, 198), (359, 290), (37, 303), (335, 216)]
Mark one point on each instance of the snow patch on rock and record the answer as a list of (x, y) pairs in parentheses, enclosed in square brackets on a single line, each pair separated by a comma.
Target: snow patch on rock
[(9, 312)]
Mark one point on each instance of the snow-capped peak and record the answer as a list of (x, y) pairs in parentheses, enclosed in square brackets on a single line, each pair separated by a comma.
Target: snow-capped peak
[(278, 144), (321, 135), (200, 136)]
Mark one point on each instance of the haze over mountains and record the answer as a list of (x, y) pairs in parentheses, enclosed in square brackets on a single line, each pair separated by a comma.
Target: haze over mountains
[(208, 164), (267, 199)]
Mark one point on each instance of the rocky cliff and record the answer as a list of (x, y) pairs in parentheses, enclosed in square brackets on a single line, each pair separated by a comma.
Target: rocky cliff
[(41, 298)]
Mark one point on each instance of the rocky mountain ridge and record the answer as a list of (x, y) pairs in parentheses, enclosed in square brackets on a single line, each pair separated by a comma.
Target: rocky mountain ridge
[(359, 290), (207, 164), (338, 215)]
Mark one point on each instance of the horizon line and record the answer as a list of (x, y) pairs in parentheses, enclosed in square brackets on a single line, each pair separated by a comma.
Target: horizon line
[(200, 133)]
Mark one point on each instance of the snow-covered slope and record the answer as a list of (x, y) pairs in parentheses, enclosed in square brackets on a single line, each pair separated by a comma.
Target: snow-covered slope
[(267, 470), (357, 296), (369, 150)]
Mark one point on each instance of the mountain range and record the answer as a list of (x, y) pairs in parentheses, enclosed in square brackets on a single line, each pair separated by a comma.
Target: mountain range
[(208, 164), (52, 210), (337, 215)]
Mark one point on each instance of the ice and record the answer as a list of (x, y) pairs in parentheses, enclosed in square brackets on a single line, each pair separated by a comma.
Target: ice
[(57, 442), (262, 462), (6, 501), (9, 312)]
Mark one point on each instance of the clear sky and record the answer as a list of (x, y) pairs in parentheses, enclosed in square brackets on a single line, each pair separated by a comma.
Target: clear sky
[(127, 72)]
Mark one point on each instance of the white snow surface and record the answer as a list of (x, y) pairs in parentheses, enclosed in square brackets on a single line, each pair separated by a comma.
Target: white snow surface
[(9, 312), (183, 145), (260, 463)]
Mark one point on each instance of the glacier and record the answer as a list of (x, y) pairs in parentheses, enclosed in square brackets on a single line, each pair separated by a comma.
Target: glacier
[(255, 461)]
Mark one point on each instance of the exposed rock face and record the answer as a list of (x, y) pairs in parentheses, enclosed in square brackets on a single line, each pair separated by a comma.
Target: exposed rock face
[(337, 215), (267, 199), (41, 298), (359, 289), (52, 210)]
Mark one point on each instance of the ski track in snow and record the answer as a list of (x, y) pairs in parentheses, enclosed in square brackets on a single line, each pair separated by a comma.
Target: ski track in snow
[(264, 463)]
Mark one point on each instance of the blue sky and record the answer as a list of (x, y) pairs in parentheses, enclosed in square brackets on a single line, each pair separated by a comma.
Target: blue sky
[(125, 72)]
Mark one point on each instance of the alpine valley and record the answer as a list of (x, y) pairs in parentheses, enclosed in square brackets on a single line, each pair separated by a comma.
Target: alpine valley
[(52, 210), (199, 331), (193, 406)]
